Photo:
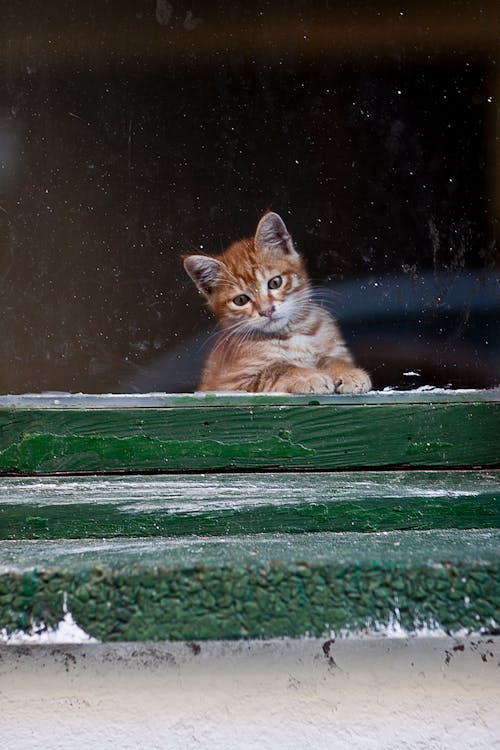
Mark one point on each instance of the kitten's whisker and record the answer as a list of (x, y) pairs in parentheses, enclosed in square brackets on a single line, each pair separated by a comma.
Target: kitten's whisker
[(228, 335), (219, 331), (244, 338)]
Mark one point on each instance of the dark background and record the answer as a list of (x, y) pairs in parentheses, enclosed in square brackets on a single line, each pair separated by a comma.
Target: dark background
[(133, 132)]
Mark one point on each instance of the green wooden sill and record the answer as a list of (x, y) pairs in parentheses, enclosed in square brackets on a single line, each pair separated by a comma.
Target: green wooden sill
[(251, 555), (197, 554), (187, 505), (256, 586), (44, 434)]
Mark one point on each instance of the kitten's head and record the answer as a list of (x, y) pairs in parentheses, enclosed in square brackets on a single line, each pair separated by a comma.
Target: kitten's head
[(257, 285)]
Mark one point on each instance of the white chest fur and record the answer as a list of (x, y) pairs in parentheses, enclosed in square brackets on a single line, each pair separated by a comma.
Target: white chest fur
[(302, 350)]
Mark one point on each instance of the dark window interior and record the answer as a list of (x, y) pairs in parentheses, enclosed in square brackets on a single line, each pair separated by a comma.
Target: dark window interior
[(133, 132)]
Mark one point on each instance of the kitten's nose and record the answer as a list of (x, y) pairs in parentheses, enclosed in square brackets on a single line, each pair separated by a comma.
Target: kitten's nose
[(267, 313)]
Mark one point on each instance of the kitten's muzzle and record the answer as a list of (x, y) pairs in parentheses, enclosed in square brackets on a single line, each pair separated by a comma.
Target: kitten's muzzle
[(268, 312)]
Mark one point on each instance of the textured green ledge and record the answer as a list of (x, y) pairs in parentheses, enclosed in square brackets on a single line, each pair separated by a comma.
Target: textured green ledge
[(254, 586), (231, 504), (333, 435)]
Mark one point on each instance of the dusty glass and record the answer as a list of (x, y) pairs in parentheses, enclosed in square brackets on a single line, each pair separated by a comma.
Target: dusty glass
[(133, 132)]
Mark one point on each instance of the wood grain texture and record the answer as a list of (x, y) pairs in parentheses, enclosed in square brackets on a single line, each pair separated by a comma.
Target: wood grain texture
[(252, 437), (255, 585), (238, 504)]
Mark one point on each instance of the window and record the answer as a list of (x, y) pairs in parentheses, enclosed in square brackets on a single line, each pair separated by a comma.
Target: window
[(133, 132)]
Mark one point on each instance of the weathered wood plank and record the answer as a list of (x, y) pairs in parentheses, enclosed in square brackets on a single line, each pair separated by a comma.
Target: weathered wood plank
[(254, 586), (424, 395), (173, 439), (232, 504)]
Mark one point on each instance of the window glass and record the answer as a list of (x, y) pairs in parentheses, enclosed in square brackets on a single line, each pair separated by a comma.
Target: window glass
[(134, 132)]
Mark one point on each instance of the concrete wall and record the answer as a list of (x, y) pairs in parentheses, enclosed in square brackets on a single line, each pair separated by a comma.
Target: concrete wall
[(390, 693)]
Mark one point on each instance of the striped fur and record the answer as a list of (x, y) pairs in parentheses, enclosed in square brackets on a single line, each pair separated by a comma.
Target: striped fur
[(274, 336)]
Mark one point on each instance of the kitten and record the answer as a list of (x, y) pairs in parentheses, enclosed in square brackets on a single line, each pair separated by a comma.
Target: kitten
[(275, 337)]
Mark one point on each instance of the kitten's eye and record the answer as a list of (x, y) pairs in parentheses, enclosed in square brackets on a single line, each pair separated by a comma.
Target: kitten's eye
[(241, 300), (275, 282)]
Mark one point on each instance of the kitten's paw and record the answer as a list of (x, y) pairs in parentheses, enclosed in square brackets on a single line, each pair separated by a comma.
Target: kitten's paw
[(354, 381), (316, 382)]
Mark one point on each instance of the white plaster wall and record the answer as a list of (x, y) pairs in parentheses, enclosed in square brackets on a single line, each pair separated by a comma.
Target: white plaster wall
[(367, 694)]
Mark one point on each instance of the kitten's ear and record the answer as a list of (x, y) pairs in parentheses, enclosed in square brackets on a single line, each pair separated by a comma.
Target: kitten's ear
[(273, 235), (203, 270)]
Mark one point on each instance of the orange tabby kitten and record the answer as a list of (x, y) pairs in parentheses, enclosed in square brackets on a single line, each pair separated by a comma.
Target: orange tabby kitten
[(275, 337)]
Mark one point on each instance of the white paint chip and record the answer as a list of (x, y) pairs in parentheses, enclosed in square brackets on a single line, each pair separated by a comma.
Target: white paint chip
[(67, 631)]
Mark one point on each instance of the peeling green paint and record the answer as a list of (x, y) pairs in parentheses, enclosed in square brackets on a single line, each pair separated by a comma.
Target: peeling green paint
[(262, 587), (176, 505), (328, 436), (45, 450), (256, 554)]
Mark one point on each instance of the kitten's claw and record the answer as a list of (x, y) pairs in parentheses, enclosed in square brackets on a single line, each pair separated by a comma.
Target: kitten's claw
[(314, 383), (356, 381)]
